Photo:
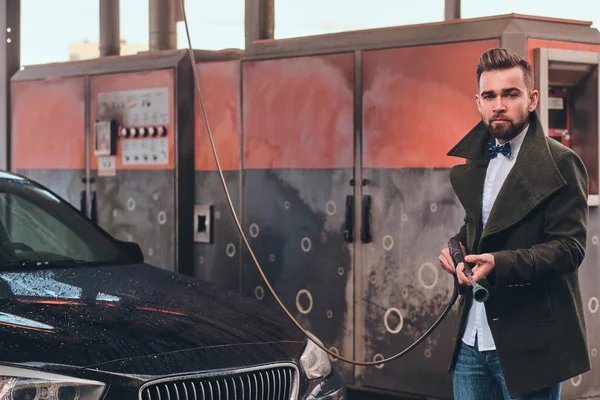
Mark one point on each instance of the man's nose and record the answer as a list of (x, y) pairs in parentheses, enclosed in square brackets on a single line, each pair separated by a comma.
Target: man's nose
[(499, 105)]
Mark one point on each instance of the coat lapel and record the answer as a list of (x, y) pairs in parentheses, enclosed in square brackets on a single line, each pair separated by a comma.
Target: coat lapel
[(467, 179), (533, 178)]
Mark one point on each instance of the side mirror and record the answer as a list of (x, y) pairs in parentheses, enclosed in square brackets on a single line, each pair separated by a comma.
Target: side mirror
[(133, 250)]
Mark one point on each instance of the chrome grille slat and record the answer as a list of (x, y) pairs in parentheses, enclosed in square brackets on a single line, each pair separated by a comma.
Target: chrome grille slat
[(203, 391), (275, 383), (194, 394), (212, 396), (185, 392), (234, 388)]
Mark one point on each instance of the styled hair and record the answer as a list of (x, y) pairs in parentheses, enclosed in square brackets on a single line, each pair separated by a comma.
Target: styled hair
[(500, 59)]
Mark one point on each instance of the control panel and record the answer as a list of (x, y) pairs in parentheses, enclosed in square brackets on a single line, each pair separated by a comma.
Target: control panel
[(143, 117)]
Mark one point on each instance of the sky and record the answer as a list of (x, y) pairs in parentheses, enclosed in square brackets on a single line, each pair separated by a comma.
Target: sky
[(48, 27)]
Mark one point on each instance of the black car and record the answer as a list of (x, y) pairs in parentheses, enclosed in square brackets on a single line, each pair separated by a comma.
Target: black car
[(83, 317)]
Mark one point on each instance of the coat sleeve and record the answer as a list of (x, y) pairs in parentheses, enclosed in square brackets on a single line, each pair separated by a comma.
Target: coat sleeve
[(565, 231)]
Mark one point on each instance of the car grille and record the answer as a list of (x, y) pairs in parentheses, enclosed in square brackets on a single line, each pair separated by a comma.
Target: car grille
[(270, 383)]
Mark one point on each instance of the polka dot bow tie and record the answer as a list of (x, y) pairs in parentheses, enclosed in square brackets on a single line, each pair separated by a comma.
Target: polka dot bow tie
[(493, 150)]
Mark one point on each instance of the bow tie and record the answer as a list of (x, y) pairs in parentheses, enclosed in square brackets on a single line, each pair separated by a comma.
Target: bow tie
[(493, 150)]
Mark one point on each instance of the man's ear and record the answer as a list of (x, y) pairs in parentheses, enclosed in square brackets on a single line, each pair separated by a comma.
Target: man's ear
[(534, 98), (478, 103)]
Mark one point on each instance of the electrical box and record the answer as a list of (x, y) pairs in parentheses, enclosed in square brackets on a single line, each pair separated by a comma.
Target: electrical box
[(203, 223), (106, 133)]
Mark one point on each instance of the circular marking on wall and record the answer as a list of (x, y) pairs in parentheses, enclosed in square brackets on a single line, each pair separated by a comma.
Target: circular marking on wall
[(230, 250), (594, 352), (155, 196), (595, 239), (398, 328), (254, 230), (378, 357), (340, 271), (162, 217), (130, 204), (310, 301), (115, 213), (427, 353), (335, 351), (150, 251), (129, 237), (593, 305), (259, 292), (373, 277), (404, 217), (388, 242), (433, 207), (201, 260), (218, 214), (329, 314), (330, 208), (287, 205), (428, 283), (306, 244), (272, 258), (576, 381)]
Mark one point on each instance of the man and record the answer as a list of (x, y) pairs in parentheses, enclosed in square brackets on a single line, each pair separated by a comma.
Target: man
[(525, 230)]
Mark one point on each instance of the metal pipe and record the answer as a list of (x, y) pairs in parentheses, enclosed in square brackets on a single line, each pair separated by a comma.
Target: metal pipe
[(110, 31), (162, 25), (451, 9), (259, 20), (10, 61)]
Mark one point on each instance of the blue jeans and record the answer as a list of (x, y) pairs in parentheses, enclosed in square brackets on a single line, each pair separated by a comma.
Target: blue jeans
[(477, 376)]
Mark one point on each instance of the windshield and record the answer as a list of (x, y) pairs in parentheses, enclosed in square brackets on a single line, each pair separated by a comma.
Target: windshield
[(36, 226)]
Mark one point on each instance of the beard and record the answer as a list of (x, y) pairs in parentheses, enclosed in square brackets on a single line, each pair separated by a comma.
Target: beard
[(507, 130)]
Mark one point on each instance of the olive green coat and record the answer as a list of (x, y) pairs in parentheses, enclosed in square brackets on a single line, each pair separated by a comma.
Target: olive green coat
[(537, 233)]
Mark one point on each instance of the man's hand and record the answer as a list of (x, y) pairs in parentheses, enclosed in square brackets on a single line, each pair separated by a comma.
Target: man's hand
[(484, 264), (446, 260)]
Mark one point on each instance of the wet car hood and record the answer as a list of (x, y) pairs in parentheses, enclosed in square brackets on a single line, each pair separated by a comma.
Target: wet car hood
[(135, 317)]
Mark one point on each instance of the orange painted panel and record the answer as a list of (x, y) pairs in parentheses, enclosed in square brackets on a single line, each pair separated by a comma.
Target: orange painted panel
[(48, 124), (533, 44), (134, 81), (418, 102), (220, 85), (298, 112)]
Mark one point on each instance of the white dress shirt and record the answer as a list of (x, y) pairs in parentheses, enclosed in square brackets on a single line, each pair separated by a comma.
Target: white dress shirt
[(497, 171)]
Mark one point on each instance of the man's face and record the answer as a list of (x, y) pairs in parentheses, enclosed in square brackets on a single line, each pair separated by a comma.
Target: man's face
[(504, 102)]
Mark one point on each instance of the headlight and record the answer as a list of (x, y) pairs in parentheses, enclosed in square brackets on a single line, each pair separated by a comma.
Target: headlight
[(315, 361), (25, 384)]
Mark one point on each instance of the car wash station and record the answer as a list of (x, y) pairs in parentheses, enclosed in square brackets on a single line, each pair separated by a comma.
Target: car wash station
[(334, 151)]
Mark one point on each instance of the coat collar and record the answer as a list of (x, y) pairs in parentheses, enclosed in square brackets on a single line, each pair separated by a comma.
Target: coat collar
[(533, 178)]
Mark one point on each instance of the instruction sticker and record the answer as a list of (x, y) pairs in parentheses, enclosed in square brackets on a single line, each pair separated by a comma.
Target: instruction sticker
[(107, 166), (141, 107)]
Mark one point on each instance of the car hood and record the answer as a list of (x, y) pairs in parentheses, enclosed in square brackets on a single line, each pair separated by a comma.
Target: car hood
[(125, 315)]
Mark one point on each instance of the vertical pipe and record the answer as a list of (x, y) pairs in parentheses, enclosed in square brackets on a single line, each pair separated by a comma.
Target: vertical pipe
[(10, 61), (259, 21), (88, 149), (162, 25), (110, 32), (357, 268), (451, 10)]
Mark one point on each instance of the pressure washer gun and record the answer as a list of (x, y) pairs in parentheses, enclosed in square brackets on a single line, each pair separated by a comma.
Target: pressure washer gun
[(480, 293)]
